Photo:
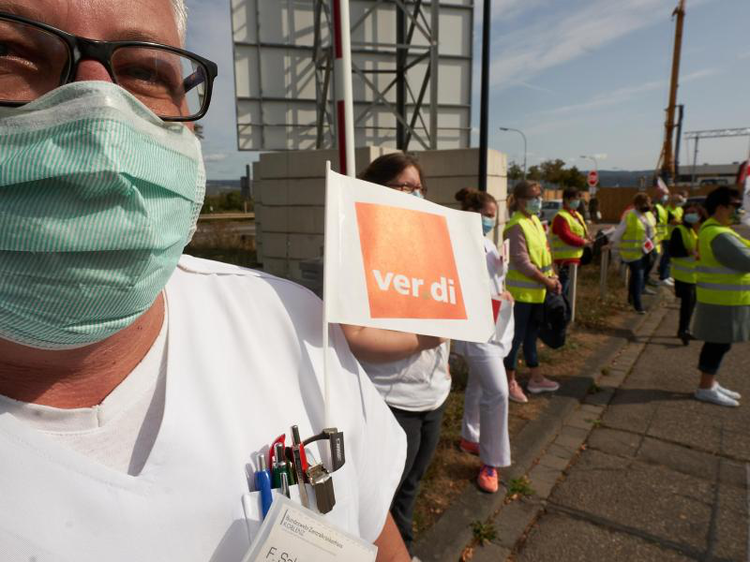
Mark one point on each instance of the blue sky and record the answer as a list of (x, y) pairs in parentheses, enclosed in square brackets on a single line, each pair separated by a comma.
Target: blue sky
[(578, 77)]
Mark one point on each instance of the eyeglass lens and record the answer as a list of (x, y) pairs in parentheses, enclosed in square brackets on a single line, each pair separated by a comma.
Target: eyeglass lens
[(34, 61)]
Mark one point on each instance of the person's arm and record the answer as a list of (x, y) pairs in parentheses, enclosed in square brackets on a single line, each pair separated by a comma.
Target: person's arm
[(677, 248), (731, 252), (391, 547), (619, 231), (561, 227), (375, 345)]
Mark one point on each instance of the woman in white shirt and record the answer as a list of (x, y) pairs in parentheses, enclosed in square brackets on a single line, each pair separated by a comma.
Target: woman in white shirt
[(409, 370), (484, 430)]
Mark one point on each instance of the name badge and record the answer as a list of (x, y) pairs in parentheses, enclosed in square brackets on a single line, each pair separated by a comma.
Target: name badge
[(291, 533)]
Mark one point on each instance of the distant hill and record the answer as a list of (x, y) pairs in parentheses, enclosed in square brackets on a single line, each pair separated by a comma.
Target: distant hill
[(624, 178), (214, 187)]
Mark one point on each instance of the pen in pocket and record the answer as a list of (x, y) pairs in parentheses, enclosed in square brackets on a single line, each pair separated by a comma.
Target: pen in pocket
[(263, 484)]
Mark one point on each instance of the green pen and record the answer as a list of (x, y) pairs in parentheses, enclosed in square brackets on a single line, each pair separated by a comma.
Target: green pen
[(280, 466)]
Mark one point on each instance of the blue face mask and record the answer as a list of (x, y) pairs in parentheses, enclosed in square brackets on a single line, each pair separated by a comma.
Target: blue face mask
[(574, 204), (533, 206), (691, 218), (418, 193), (99, 197), (488, 224)]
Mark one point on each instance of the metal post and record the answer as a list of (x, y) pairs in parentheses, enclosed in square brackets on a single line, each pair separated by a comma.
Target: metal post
[(604, 273), (484, 111), (573, 290), (680, 116), (401, 54), (695, 162), (434, 63), (344, 94)]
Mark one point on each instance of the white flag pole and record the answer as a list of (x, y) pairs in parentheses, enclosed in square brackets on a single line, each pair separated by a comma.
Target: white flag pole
[(326, 383)]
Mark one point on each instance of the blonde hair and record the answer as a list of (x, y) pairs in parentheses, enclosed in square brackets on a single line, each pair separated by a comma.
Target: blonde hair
[(521, 191)]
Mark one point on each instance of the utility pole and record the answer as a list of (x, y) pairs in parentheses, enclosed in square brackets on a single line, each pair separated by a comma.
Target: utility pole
[(484, 110), (666, 161)]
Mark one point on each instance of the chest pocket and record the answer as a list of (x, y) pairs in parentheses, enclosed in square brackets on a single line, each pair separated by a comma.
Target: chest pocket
[(344, 514)]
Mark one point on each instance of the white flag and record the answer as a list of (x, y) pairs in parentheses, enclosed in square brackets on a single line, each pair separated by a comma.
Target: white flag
[(398, 262)]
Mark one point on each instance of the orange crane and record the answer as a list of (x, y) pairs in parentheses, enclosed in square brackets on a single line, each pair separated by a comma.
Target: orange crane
[(666, 166)]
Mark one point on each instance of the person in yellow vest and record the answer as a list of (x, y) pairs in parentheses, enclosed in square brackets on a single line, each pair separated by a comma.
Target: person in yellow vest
[(722, 315), (530, 276), (661, 215), (683, 249), (569, 235), (634, 239), (674, 213)]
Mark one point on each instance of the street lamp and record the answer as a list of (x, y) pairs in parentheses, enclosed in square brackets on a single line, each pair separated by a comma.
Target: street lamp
[(524, 146), (596, 166)]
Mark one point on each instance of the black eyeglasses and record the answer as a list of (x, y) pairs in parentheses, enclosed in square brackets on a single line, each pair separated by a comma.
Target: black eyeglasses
[(36, 58)]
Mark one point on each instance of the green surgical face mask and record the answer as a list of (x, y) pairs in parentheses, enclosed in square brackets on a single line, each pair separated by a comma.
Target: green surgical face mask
[(98, 198)]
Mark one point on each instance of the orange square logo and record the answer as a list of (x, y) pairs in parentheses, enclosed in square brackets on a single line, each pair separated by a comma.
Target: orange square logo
[(409, 264)]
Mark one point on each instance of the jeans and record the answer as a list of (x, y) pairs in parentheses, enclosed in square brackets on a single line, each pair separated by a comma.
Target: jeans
[(422, 434), (638, 280), (711, 356), (563, 274), (686, 293), (528, 319), (664, 264)]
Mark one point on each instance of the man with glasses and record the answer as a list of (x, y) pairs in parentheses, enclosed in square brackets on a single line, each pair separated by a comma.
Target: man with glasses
[(138, 386)]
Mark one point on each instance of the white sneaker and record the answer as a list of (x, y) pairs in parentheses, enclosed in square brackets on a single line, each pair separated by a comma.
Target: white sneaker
[(715, 397), (667, 282), (726, 392)]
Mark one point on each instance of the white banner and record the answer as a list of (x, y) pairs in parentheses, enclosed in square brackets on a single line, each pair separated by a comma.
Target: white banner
[(398, 262)]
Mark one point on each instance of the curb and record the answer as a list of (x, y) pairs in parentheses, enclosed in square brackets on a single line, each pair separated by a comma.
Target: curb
[(562, 427)]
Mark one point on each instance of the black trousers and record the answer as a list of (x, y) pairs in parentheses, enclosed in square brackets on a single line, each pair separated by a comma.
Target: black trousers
[(711, 356), (422, 434), (686, 293)]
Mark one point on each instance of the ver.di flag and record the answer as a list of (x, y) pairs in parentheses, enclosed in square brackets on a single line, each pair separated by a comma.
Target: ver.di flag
[(398, 262)]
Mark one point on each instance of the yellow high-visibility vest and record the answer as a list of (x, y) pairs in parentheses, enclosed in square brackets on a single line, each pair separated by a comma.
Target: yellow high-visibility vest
[(525, 289), (718, 284), (683, 269), (662, 223), (561, 250), (632, 241), (678, 213)]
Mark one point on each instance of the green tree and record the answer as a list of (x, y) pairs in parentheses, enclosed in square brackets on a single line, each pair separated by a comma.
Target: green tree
[(574, 178), (534, 173), (553, 171), (515, 172)]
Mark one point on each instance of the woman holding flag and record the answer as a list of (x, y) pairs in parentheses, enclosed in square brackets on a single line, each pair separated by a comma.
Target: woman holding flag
[(484, 429), (410, 371)]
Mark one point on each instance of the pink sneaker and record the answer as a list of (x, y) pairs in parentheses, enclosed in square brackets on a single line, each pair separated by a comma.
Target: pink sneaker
[(515, 392), (487, 479), (542, 385), (471, 447)]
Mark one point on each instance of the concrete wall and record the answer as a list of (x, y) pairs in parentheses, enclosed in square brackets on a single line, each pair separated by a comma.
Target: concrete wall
[(290, 193)]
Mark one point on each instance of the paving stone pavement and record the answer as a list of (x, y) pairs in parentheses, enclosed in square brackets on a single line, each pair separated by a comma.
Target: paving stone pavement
[(660, 477)]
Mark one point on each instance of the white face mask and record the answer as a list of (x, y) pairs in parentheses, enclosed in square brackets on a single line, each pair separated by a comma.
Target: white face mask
[(98, 199)]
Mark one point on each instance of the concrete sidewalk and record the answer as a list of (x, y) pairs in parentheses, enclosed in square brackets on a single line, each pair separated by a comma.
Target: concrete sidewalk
[(659, 476)]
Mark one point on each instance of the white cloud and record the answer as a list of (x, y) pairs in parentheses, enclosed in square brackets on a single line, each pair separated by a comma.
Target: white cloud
[(562, 35), (217, 157), (623, 95)]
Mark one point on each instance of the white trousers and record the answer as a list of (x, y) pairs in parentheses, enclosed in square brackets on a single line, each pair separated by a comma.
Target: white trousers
[(486, 402)]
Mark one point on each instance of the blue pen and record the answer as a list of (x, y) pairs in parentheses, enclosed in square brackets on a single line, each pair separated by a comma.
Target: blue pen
[(263, 484)]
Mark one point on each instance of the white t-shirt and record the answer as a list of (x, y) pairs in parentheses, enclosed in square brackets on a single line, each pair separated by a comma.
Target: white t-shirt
[(118, 433), (244, 362), (419, 383), (496, 267)]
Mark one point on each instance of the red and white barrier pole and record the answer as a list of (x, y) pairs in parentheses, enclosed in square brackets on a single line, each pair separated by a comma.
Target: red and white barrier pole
[(342, 71)]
